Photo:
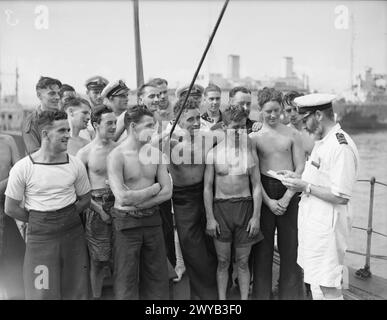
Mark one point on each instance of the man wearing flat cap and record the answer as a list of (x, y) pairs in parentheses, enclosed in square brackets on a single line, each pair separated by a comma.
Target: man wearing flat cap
[(196, 92), (327, 183), (94, 87)]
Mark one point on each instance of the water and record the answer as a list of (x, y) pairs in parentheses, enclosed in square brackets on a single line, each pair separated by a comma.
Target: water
[(372, 148)]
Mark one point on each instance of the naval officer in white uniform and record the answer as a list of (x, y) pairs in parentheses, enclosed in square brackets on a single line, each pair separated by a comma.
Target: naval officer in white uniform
[(324, 218)]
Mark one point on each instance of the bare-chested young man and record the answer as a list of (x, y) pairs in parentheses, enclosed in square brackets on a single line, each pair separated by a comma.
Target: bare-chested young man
[(78, 115), (154, 95), (187, 174), (139, 183), (278, 148), (98, 221), (233, 212), (12, 245), (295, 121)]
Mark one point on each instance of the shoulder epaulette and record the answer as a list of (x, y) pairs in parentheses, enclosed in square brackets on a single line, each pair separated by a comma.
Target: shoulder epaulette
[(341, 138)]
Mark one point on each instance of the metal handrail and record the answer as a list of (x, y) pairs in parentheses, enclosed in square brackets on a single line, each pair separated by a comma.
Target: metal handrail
[(365, 272)]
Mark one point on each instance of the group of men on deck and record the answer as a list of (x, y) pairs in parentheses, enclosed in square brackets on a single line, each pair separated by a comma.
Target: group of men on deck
[(105, 184)]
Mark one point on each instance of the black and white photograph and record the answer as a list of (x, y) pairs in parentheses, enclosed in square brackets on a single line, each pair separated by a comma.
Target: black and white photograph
[(193, 150)]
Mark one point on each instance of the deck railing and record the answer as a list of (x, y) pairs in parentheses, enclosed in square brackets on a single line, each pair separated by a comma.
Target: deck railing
[(365, 272)]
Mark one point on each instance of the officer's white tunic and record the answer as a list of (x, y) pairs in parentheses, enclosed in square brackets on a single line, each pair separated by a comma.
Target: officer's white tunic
[(323, 227)]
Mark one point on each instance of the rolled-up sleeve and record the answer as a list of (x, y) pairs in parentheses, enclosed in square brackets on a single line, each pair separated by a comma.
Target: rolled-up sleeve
[(343, 173)]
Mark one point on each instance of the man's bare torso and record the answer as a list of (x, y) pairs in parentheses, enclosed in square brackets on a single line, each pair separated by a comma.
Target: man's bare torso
[(95, 158), (185, 174), (274, 147), (136, 174), (232, 171)]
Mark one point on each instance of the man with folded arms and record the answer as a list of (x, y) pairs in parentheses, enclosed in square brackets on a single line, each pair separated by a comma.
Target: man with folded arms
[(139, 184)]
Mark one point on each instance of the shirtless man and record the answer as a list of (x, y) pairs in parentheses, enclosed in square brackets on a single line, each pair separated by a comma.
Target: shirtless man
[(55, 189), (12, 245), (295, 122), (154, 95), (140, 264), (78, 115), (233, 214), (278, 147), (98, 221), (197, 247)]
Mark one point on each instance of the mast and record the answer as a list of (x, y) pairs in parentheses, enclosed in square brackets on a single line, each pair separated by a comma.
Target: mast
[(352, 50), (17, 85), (137, 45)]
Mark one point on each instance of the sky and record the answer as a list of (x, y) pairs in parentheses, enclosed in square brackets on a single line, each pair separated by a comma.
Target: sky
[(85, 38)]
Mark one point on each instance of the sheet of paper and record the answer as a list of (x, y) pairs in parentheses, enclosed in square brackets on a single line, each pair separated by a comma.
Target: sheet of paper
[(275, 175)]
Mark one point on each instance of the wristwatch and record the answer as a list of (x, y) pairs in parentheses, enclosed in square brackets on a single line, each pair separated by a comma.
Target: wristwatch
[(308, 189)]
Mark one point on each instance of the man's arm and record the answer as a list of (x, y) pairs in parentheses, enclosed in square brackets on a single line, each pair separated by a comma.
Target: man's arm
[(115, 167), (3, 185), (12, 208), (83, 202), (323, 193), (120, 128), (166, 189), (255, 179), (298, 156), (212, 228)]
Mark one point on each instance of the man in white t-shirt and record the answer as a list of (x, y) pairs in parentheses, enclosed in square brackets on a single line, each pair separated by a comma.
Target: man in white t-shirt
[(55, 189)]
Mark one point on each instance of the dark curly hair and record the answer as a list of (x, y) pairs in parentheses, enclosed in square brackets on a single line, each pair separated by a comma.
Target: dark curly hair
[(47, 118), (269, 94), (96, 114), (234, 113), (290, 96), (135, 114), (46, 82)]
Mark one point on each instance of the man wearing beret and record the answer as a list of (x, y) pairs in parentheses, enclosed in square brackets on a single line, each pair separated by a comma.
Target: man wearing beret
[(327, 183)]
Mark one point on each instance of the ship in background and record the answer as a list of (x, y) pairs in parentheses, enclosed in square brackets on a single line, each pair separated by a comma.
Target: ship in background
[(364, 106), (12, 111)]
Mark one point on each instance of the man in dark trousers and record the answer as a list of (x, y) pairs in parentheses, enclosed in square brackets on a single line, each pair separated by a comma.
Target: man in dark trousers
[(55, 188)]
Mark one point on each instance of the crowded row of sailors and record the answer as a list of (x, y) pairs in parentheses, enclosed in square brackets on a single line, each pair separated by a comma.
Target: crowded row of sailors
[(92, 207)]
